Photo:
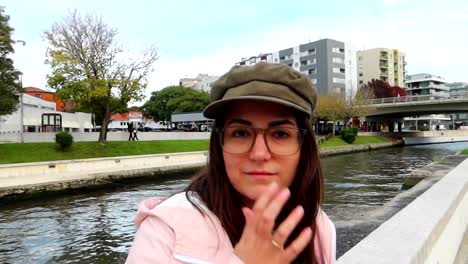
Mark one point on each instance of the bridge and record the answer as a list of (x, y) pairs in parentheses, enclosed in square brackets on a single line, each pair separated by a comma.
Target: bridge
[(405, 106)]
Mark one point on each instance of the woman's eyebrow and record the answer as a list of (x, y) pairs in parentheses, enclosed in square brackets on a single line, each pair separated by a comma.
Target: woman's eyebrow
[(280, 122), (239, 121)]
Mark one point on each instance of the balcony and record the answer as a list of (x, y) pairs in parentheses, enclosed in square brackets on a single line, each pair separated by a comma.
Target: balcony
[(383, 63), (384, 55)]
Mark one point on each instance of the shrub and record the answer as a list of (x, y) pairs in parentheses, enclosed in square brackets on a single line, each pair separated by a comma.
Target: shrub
[(349, 134), (64, 140)]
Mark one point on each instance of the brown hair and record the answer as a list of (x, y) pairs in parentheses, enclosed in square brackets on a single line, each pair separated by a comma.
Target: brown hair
[(215, 190)]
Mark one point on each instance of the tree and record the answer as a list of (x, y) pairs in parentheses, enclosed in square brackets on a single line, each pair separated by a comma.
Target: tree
[(331, 107), (358, 106), (174, 99), (382, 89), (90, 68), (10, 87)]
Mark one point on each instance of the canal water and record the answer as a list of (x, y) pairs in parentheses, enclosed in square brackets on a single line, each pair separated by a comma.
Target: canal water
[(97, 227)]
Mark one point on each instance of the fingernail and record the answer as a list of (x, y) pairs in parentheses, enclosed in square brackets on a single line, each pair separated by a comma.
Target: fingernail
[(285, 193), (300, 209)]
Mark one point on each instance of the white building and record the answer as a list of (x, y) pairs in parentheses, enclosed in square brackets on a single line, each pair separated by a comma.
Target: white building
[(425, 84), (33, 110), (202, 82)]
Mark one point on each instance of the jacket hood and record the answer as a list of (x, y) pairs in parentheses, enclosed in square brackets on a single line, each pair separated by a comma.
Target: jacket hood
[(146, 207)]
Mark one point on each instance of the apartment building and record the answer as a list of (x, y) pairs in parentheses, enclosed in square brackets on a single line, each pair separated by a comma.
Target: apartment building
[(424, 84), (328, 63), (381, 64), (202, 82)]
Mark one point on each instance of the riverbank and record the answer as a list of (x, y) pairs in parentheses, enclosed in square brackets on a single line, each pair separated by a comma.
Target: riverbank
[(36, 152), (25, 180), (353, 225)]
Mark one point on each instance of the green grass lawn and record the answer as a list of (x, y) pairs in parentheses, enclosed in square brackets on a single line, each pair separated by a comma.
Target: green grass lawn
[(32, 152), (338, 142), (465, 151)]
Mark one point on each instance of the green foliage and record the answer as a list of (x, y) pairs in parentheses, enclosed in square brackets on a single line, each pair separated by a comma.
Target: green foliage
[(64, 140), (10, 86), (349, 134), (175, 99)]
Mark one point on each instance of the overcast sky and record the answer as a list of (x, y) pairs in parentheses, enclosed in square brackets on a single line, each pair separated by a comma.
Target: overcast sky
[(210, 36)]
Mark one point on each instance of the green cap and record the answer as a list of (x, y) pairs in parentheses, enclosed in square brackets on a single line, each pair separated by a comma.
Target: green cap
[(271, 82)]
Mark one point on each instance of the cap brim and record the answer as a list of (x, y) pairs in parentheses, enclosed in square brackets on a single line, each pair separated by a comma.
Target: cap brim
[(214, 109)]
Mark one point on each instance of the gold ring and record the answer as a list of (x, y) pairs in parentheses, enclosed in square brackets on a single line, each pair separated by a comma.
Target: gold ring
[(275, 244)]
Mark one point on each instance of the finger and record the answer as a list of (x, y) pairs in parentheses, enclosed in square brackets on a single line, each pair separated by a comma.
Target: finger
[(265, 198), (271, 212), (249, 219), (299, 244), (288, 225)]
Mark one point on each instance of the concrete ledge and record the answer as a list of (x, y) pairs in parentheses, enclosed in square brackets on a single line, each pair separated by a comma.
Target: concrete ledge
[(428, 230), (40, 176), (356, 148)]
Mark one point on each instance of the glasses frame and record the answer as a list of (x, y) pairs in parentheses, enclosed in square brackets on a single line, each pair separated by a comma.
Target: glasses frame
[(301, 132)]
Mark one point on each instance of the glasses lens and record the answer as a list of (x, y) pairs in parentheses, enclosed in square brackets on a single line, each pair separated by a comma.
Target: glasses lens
[(280, 140), (283, 140), (237, 139)]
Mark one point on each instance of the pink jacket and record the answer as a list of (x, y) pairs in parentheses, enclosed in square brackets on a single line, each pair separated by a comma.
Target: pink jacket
[(173, 231)]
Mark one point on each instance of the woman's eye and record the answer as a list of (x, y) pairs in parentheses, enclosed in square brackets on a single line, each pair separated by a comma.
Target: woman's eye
[(281, 133), (240, 133)]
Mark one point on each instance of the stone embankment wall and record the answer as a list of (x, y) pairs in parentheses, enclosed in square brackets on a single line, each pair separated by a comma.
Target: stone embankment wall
[(29, 178), (357, 148)]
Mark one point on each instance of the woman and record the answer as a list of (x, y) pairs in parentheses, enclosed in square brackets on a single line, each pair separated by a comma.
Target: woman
[(259, 199)]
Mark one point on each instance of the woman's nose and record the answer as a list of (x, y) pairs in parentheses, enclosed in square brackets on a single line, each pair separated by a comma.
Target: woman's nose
[(260, 149)]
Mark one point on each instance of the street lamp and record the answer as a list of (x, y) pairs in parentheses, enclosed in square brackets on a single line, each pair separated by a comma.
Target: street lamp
[(21, 108)]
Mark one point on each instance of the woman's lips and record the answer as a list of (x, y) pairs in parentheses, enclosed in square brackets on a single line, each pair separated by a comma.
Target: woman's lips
[(260, 174)]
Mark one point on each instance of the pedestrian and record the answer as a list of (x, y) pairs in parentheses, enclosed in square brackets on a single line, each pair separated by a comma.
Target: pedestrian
[(260, 198), (130, 131), (135, 130)]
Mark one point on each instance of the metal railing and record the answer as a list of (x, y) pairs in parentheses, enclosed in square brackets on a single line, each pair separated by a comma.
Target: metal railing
[(417, 98)]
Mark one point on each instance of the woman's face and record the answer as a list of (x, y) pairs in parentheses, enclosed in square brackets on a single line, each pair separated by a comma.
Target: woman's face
[(251, 172)]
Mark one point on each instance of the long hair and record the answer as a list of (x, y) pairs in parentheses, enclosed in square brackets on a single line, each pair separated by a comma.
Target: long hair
[(215, 190)]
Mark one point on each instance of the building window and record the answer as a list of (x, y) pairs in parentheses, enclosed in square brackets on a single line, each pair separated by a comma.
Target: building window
[(296, 64), (38, 95), (311, 51), (338, 80), (282, 58), (312, 71), (338, 60), (304, 63), (338, 50), (361, 82), (338, 70), (360, 58), (360, 74), (276, 59)]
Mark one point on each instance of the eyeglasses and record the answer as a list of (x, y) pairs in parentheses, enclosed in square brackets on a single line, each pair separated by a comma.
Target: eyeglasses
[(281, 141)]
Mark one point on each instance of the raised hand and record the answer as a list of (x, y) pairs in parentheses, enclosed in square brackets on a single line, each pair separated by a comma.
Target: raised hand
[(259, 243)]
